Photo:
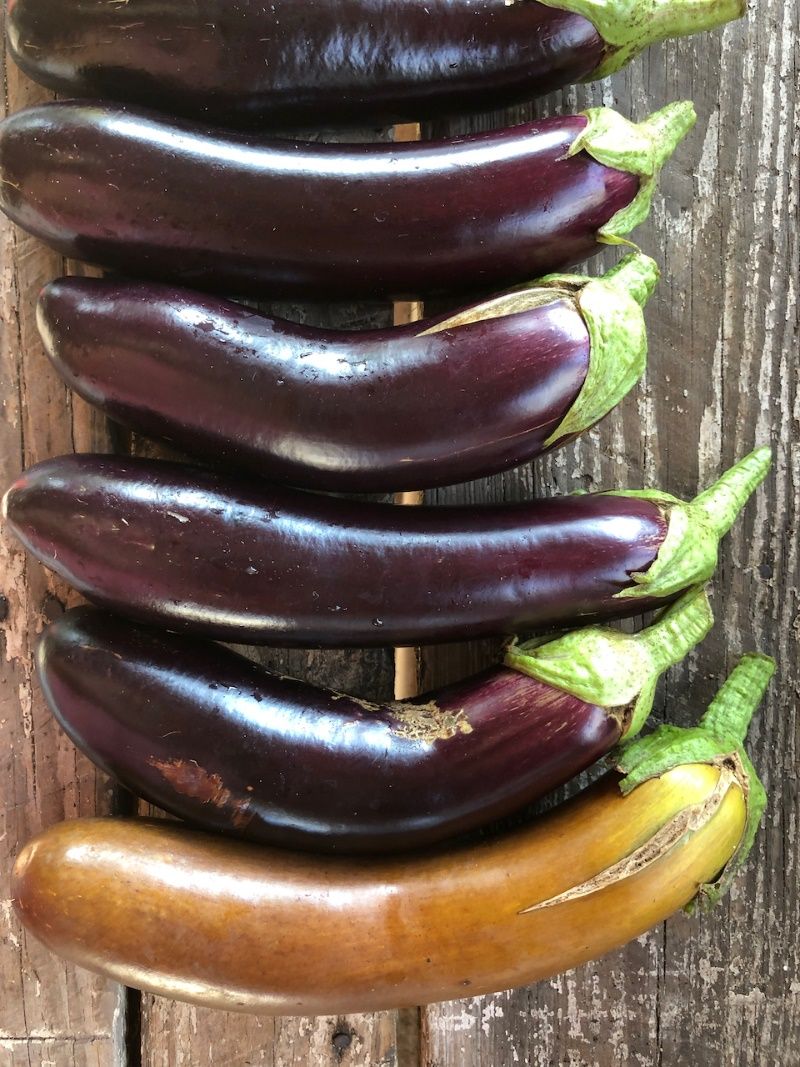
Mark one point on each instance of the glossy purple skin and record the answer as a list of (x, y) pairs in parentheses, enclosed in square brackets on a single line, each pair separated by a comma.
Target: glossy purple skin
[(249, 62), (213, 738), (200, 551), (373, 411), (162, 199)]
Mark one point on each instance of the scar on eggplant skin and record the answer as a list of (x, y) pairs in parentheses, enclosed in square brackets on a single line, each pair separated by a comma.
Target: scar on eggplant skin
[(684, 822), (427, 722), (189, 778), (415, 722)]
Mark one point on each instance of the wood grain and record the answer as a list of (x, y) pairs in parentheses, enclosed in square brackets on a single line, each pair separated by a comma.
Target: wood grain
[(721, 989)]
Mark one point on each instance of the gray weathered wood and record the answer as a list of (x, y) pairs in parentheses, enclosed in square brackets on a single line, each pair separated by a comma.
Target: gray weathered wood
[(720, 989), (49, 1011)]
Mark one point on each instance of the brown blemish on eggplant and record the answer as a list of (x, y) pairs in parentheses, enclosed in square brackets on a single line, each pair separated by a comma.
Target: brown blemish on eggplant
[(671, 834), (192, 780), (427, 722)]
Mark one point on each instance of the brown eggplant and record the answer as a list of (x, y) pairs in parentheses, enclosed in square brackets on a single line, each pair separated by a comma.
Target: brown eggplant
[(170, 200), (203, 552), (249, 62), (234, 925), (444, 400), (217, 740)]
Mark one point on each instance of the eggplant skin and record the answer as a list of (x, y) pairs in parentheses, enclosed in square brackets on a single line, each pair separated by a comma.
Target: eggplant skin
[(245, 63), (375, 411), (123, 189), (205, 552), (217, 740), (250, 928)]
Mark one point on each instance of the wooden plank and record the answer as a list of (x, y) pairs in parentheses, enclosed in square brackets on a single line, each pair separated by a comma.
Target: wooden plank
[(723, 988), (49, 1011), (406, 660)]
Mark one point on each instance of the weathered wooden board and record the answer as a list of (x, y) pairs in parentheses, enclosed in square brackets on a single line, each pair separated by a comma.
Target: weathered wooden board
[(721, 989), (49, 1012), (717, 990)]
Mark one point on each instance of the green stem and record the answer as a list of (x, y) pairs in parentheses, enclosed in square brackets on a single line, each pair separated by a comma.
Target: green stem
[(611, 307), (636, 276), (677, 629), (629, 26), (688, 553), (664, 130), (612, 669), (719, 505), (718, 738), (729, 714), (638, 148)]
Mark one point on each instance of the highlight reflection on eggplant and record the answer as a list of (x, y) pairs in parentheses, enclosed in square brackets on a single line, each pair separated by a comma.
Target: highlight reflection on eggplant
[(436, 402), (200, 551), (248, 62), (211, 737), (209, 209)]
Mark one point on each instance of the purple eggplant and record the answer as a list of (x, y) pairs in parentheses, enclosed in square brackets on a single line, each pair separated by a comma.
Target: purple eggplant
[(248, 62), (157, 199), (217, 740), (200, 551), (439, 401)]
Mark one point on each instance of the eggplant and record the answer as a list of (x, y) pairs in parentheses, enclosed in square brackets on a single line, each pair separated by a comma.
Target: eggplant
[(217, 740), (252, 63), (439, 401), (246, 927), (199, 551), (170, 200)]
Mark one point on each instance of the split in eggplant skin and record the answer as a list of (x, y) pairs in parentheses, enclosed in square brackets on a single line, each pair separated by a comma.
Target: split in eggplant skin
[(217, 740), (202, 552), (436, 402), (293, 933), (211, 210), (251, 63)]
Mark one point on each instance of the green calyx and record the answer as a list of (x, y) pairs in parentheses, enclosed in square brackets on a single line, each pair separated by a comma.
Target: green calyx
[(718, 739), (640, 148), (688, 554), (629, 26), (611, 307), (612, 669)]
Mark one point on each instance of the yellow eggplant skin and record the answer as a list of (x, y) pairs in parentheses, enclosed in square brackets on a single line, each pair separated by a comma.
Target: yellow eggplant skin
[(230, 925)]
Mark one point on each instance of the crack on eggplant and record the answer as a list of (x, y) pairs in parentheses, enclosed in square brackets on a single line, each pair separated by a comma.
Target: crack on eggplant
[(191, 780), (513, 303), (427, 722), (686, 821)]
